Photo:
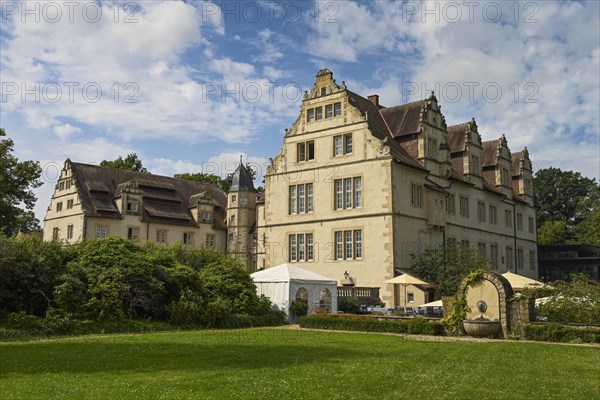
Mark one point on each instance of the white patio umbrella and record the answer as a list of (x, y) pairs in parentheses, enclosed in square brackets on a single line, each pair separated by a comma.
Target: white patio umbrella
[(520, 282), (437, 303), (405, 280)]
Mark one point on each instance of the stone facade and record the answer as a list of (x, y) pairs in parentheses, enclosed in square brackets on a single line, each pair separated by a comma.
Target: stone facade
[(356, 187), (384, 184)]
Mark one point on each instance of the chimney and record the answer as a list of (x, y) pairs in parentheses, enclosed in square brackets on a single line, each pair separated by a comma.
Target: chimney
[(374, 99)]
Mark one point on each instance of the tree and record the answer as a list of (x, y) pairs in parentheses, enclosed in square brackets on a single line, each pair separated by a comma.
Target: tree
[(447, 265), (570, 198), (575, 302), (211, 178), (130, 163), (17, 179), (558, 194), (552, 232), (205, 178)]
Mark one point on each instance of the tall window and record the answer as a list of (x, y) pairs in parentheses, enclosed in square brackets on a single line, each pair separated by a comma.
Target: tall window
[(509, 258), (504, 177), (54, 233), (301, 198), (531, 229), (318, 113), (305, 151), (101, 231), (464, 207), (337, 109), (416, 196), (161, 236), (475, 167), (493, 216), (481, 248), (133, 233), (210, 240), (348, 245), (342, 144), (329, 111), (450, 205), (431, 148), (301, 247), (520, 221), (347, 193), (481, 211), (61, 185), (59, 206), (520, 260), (494, 255), (70, 232), (188, 238), (310, 115), (508, 219), (69, 204)]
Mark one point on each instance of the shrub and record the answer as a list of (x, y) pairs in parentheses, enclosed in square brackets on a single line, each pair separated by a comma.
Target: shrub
[(553, 332), (347, 305), (299, 308), (370, 324), (576, 302)]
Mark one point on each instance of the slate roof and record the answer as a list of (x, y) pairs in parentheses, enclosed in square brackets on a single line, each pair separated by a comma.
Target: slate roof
[(164, 199), (490, 152), (456, 137), (403, 119), (379, 128), (242, 180)]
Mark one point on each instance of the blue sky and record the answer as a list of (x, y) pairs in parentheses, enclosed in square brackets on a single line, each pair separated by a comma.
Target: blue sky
[(190, 86)]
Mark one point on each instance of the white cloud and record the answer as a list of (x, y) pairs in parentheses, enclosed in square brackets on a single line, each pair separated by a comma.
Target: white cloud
[(65, 131)]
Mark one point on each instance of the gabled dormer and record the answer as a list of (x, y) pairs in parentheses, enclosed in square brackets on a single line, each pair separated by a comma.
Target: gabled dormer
[(131, 197), (467, 151), (522, 175), (433, 147), (202, 208), (497, 164)]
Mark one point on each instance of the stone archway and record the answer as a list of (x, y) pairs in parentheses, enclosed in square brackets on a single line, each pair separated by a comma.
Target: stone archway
[(495, 290)]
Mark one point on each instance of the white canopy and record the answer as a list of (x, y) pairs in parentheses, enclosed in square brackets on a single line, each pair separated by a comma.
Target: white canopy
[(437, 303), (520, 282), (285, 283)]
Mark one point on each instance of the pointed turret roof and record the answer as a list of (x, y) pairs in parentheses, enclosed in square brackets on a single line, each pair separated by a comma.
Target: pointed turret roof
[(241, 180)]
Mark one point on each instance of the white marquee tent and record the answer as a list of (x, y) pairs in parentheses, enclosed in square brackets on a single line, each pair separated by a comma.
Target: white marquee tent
[(286, 283)]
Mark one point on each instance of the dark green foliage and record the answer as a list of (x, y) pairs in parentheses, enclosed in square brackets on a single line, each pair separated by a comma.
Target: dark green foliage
[(17, 178), (553, 332), (571, 199), (29, 271), (112, 280), (130, 163), (447, 265), (370, 324), (299, 308), (347, 305)]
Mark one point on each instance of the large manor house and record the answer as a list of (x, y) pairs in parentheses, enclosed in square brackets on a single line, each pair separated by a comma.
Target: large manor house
[(356, 188)]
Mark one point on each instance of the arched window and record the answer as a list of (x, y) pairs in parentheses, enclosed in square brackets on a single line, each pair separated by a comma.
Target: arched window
[(302, 294), (325, 299)]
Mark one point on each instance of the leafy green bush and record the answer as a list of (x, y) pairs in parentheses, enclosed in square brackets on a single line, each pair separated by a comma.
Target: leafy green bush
[(347, 305), (553, 332), (575, 302), (370, 324), (299, 308)]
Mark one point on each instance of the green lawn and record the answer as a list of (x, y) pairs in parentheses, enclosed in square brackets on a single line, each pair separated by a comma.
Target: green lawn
[(278, 363)]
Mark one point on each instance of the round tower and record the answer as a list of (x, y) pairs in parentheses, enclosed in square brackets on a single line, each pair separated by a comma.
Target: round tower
[(241, 215)]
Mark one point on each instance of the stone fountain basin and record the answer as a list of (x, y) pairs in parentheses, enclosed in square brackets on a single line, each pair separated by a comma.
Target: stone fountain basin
[(481, 327)]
